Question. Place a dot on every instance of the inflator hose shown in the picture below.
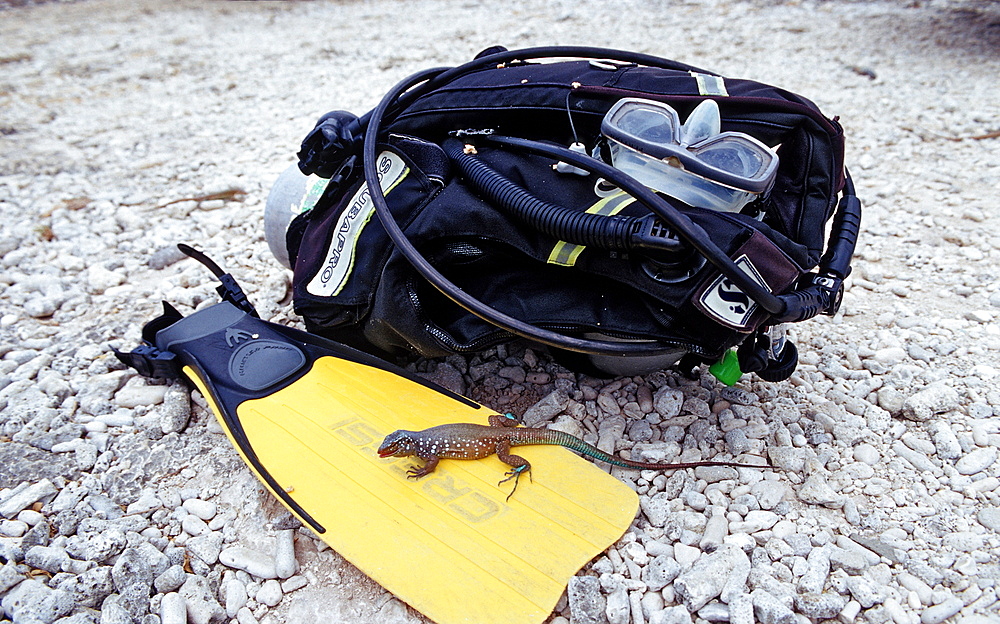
(611, 232)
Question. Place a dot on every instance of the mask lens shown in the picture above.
(647, 125)
(735, 157)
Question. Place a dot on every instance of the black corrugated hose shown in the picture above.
(612, 232)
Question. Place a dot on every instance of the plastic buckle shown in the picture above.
(342, 173)
(151, 362)
(334, 137)
(834, 287)
(230, 291)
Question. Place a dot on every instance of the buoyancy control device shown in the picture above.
(627, 211)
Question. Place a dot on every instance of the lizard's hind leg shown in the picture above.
(518, 464)
(507, 420)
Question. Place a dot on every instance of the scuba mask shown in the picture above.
(694, 161)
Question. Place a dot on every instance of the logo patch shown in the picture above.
(258, 363)
(726, 303)
(336, 269)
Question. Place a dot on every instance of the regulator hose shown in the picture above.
(446, 287)
(609, 232)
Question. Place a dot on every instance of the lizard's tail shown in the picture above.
(526, 436)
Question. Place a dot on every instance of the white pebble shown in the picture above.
(269, 593)
(66, 447)
(866, 453)
(849, 612)
(756, 520)
(293, 583)
(922, 590)
(100, 279)
(768, 493)
(686, 555)
(715, 530)
(941, 612)
(743, 541)
(116, 419)
(245, 616)
(784, 528)
(22, 498)
(977, 461)
(221, 520)
(235, 596)
(284, 554)
(637, 553)
(695, 500)
(173, 609)
(714, 612)
(890, 355)
(251, 561)
(40, 307)
(134, 395)
(203, 509)
(30, 517)
(13, 528)
(100, 440)
(193, 525)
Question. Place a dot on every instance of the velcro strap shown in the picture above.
(710, 85)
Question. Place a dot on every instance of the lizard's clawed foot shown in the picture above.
(415, 473)
(505, 420)
(515, 474)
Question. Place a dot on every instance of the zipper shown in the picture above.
(792, 107)
(444, 338)
(499, 336)
(680, 344)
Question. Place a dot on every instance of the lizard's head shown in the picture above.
(396, 444)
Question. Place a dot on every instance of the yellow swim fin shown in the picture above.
(307, 415)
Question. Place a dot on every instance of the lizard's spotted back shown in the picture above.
(472, 441)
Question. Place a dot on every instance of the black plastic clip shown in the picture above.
(336, 136)
(151, 362)
(768, 354)
(230, 291)
(823, 295)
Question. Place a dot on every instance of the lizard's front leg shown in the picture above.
(415, 472)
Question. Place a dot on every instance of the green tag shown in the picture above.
(315, 187)
(727, 370)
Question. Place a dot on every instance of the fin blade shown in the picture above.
(449, 544)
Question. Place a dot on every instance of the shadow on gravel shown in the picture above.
(970, 29)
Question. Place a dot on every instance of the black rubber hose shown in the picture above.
(843, 233)
(825, 294)
(612, 232)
